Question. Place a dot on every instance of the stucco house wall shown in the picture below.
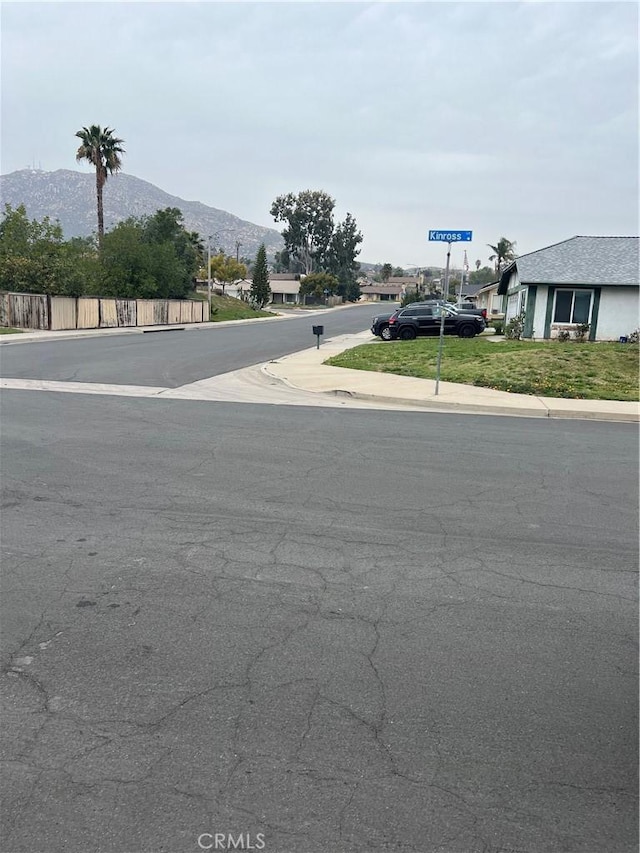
(613, 312)
(619, 313)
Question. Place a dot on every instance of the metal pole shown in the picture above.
(463, 275)
(441, 341)
(209, 275)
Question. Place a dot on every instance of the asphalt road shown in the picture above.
(325, 630)
(173, 358)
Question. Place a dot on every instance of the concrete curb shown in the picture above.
(70, 334)
(493, 409)
(306, 371)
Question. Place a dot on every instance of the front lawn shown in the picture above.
(589, 371)
(4, 330)
(230, 308)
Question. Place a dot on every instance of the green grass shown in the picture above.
(590, 371)
(6, 331)
(230, 308)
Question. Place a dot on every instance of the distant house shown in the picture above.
(470, 291)
(391, 290)
(382, 292)
(583, 280)
(239, 289)
(487, 296)
(285, 288)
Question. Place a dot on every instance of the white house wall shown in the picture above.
(618, 314)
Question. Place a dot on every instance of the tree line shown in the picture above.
(151, 257)
(316, 246)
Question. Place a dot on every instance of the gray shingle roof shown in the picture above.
(580, 260)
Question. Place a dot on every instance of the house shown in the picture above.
(285, 288)
(382, 292)
(582, 281)
(487, 296)
(391, 290)
(240, 289)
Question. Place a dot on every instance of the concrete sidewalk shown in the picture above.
(305, 371)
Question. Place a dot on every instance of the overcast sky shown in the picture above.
(507, 119)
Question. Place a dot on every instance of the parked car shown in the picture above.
(380, 327)
(420, 319)
(470, 308)
(380, 324)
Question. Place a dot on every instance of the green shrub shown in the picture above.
(514, 328)
(581, 332)
(411, 296)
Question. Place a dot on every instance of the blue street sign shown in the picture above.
(451, 236)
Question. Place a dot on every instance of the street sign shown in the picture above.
(451, 236)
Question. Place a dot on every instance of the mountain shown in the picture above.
(70, 197)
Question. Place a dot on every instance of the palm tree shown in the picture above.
(503, 252)
(102, 149)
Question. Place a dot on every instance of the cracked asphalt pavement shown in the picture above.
(346, 630)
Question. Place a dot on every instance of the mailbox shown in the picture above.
(317, 331)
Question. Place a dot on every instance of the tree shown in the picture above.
(281, 261)
(260, 292)
(386, 272)
(503, 253)
(34, 257)
(226, 269)
(478, 264)
(398, 271)
(102, 149)
(319, 285)
(149, 258)
(128, 263)
(482, 275)
(309, 227)
(341, 258)
(166, 226)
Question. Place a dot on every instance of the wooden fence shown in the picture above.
(55, 313)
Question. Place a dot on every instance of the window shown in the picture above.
(572, 306)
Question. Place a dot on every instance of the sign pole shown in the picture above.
(441, 341)
(448, 237)
(209, 277)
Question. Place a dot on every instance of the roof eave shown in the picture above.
(505, 276)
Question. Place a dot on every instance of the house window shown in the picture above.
(572, 306)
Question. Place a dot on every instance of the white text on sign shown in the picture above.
(451, 236)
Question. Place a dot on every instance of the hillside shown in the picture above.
(69, 197)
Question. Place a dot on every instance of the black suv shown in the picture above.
(420, 319)
(380, 323)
